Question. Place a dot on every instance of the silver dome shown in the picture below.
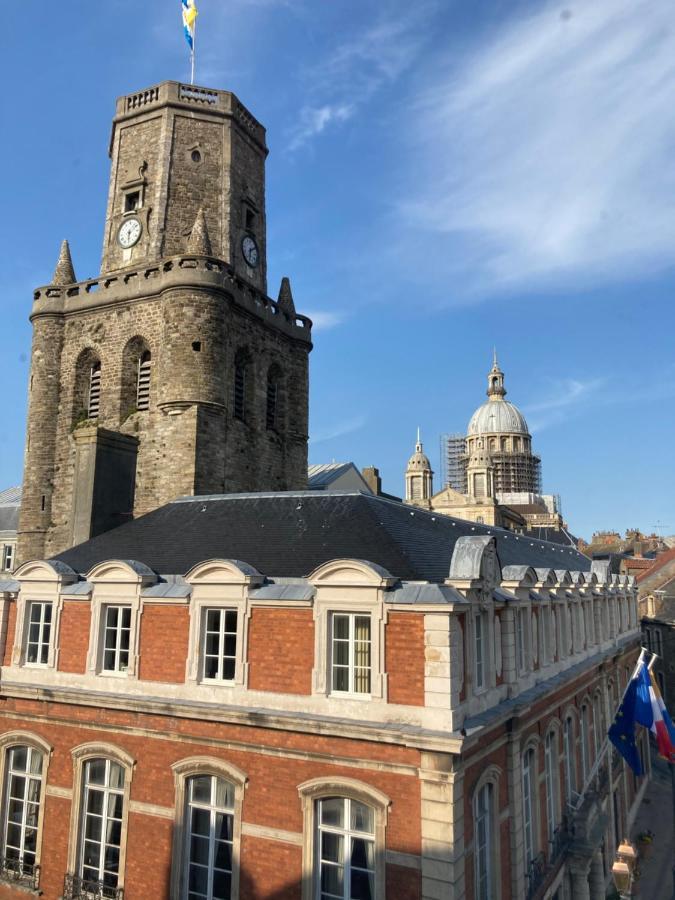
(497, 417)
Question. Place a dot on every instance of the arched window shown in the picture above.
(143, 380)
(207, 830)
(24, 768)
(136, 377)
(94, 400)
(569, 756)
(86, 386)
(273, 414)
(343, 847)
(346, 848)
(484, 841)
(98, 841)
(101, 832)
(242, 387)
(504, 444)
(529, 807)
(551, 775)
(585, 729)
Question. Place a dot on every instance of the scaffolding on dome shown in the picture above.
(453, 462)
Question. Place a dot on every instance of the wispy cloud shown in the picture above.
(338, 429)
(548, 150)
(357, 69)
(562, 398)
(322, 320)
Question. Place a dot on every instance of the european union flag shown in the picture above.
(622, 730)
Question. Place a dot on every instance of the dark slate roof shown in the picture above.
(291, 533)
(10, 504)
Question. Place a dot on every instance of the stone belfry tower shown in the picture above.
(172, 372)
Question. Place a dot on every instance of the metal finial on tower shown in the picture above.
(418, 434)
(495, 364)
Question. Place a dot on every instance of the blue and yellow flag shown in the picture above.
(189, 16)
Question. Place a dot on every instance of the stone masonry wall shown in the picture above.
(189, 441)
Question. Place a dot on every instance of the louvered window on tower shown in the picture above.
(240, 389)
(143, 384)
(272, 401)
(94, 391)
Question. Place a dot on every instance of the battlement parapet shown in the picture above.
(184, 271)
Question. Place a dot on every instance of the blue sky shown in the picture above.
(443, 177)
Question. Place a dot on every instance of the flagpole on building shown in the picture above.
(192, 54)
(605, 745)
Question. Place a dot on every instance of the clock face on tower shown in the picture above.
(129, 233)
(250, 250)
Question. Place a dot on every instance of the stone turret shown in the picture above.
(285, 300)
(199, 241)
(418, 476)
(64, 273)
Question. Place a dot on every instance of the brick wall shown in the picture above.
(9, 636)
(281, 650)
(73, 636)
(164, 643)
(275, 764)
(404, 655)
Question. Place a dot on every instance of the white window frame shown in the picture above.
(222, 612)
(569, 756)
(551, 775)
(8, 742)
(99, 602)
(521, 646)
(108, 792)
(346, 834)
(183, 771)
(118, 670)
(42, 644)
(81, 755)
(530, 789)
(486, 854)
(7, 557)
(350, 789)
(480, 655)
(351, 667)
(584, 738)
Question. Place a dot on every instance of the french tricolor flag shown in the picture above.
(650, 711)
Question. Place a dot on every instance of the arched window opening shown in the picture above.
(273, 410)
(94, 399)
(345, 843)
(209, 836)
(241, 385)
(568, 750)
(551, 775)
(21, 812)
(143, 381)
(484, 842)
(529, 811)
(101, 828)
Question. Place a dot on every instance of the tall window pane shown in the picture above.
(568, 747)
(39, 630)
(584, 742)
(483, 818)
(351, 653)
(551, 773)
(22, 797)
(220, 644)
(101, 832)
(480, 651)
(116, 637)
(529, 787)
(345, 842)
(209, 829)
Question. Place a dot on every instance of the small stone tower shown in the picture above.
(172, 372)
(480, 473)
(418, 477)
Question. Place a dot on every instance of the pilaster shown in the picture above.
(442, 792)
